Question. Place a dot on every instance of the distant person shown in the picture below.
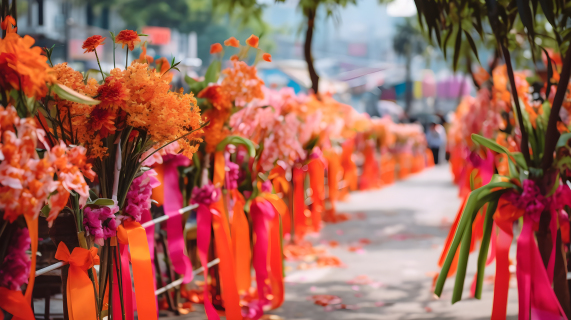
(442, 151)
(434, 141)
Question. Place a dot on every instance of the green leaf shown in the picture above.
(526, 17)
(237, 140)
(492, 145)
(213, 72)
(484, 246)
(102, 202)
(489, 143)
(472, 45)
(92, 195)
(45, 211)
(67, 93)
(563, 139)
(457, 48)
(547, 7)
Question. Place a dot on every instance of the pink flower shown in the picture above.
(16, 265)
(139, 195)
(100, 223)
(206, 195)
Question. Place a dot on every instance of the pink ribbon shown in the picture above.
(128, 294)
(204, 226)
(534, 287)
(534, 281)
(262, 212)
(172, 204)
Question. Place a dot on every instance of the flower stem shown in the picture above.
(127, 58)
(99, 64)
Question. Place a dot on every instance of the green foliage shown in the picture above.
(238, 141)
(408, 40)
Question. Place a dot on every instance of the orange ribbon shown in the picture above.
(370, 176)
(387, 168)
(15, 303)
(334, 172)
(80, 293)
(316, 181)
(300, 219)
(280, 183)
(227, 268)
(33, 231)
(158, 191)
(241, 243)
(133, 234)
(349, 167)
(219, 169)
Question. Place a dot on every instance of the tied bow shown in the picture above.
(534, 281)
(80, 292)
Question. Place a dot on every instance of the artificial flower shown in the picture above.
(232, 42)
(23, 67)
(143, 57)
(91, 43)
(138, 199)
(252, 41)
(15, 268)
(128, 38)
(241, 83)
(216, 48)
(9, 24)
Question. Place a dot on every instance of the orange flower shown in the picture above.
(129, 38)
(102, 120)
(91, 43)
(112, 93)
(215, 48)
(252, 41)
(241, 83)
(234, 58)
(267, 57)
(216, 96)
(143, 57)
(23, 67)
(164, 64)
(232, 42)
(9, 24)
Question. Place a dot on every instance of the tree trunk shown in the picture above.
(545, 245)
(408, 84)
(307, 51)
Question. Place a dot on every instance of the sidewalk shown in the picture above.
(406, 224)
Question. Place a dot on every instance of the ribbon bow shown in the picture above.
(133, 234)
(534, 282)
(210, 216)
(80, 293)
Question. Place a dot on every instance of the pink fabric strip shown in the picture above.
(534, 287)
(128, 301)
(174, 226)
(204, 225)
(146, 216)
(262, 211)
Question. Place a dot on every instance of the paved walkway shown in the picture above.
(392, 276)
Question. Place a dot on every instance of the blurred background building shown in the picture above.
(354, 49)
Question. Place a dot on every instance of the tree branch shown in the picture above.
(552, 134)
(524, 137)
